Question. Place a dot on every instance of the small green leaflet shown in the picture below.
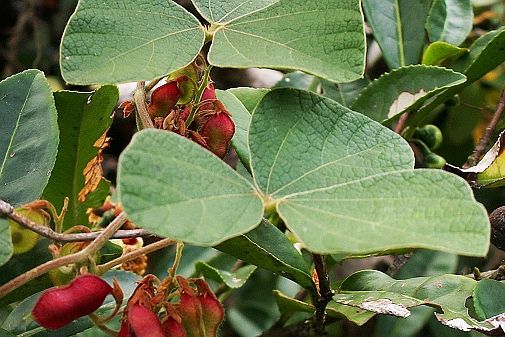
(231, 279)
(173, 187)
(439, 51)
(28, 136)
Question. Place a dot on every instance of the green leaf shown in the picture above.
(422, 263)
(232, 280)
(355, 315)
(127, 40)
(173, 187)
(398, 27)
(298, 80)
(377, 292)
(241, 117)
(5, 242)
(330, 171)
(439, 51)
(83, 118)
(250, 97)
(344, 93)
(289, 305)
(268, 248)
(323, 38)
(450, 21)
(404, 89)
(485, 298)
(222, 12)
(28, 136)
(485, 54)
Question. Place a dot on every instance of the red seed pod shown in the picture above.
(163, 99)
(173, 328)
(190, 310)
(218, 132)
(212, 310)
(59, 306)
(143, 322)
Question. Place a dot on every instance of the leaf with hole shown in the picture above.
(330, 171)
(127, 40)
(28, 136)
(173, 187)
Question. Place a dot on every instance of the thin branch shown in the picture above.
(139, 98)
(324, 292)
(81, 256)
(8, 211)
(401, 122)
(134, 254)
(481, 147)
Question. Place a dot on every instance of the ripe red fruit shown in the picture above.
(59, 306)
(218, 131)
(143, 322)
(163, 99)
(173, 328)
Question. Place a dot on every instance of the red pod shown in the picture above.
(212, 310)
(163, 99)
(173, 328)
(59, 306)
(218, 132)
(143, 322)
(190, 310)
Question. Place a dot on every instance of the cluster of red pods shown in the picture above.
(182, 308)
(171, 105)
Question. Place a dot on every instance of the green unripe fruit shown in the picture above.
(453, 101)
(429, 135)
(23, 239)
(434, 161)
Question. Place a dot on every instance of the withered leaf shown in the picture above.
(93, 171)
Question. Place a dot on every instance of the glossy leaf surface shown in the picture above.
(450, 21)
(28, 136)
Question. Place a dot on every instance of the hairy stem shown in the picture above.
(81, 256)
(139, 98)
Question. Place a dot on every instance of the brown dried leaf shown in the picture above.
(93, 171)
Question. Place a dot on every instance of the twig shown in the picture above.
(81, 256)
(398, 262)
(324, 292)
(401, 122)
(8, 211)
(479, 149)
(139, 98)
(496, 274)
(134, 254)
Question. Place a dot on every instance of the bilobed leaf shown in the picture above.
(28, 136)
(403, 89)
(241, 117)
(5, 242)
(439, 51)
(234, 279)
(323, 38)
(487, 296)
(330, 171)
(450, 21)
(398, 27)
(173, 187)
(268, 248)
(127, 40)
(377, 292)
(83, 118)
(225, 11)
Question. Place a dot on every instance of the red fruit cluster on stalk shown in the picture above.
(198, 312)
(59, 306)
(211, 126)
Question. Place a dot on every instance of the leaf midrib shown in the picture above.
(14, 132)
